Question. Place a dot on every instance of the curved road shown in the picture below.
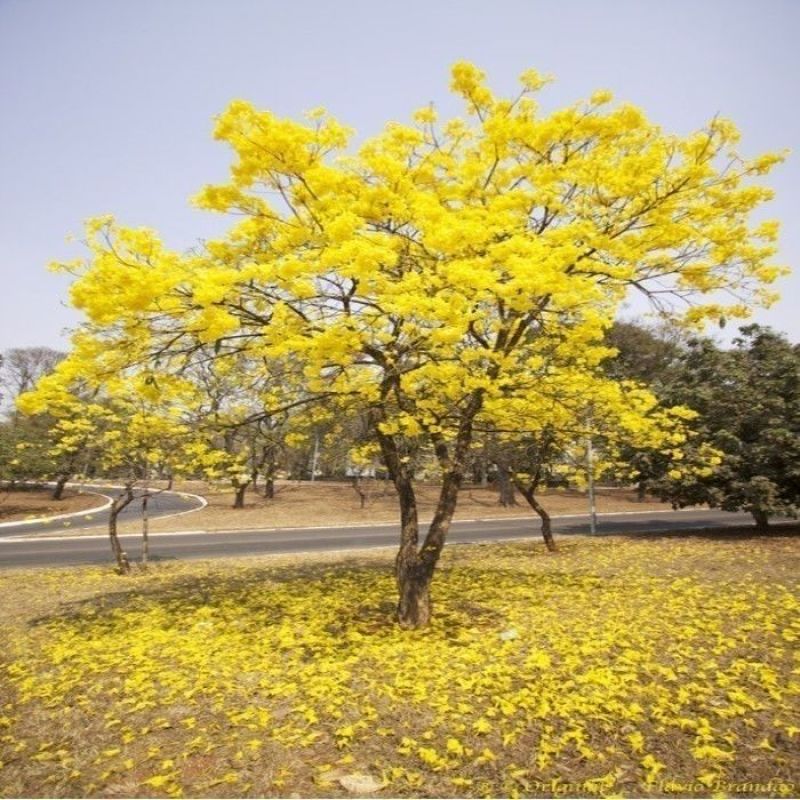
(60, 551)
(163, 504)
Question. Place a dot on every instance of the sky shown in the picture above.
(108, 107)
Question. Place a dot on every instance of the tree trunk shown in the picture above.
(413, 596)
(414, 588)
(238, 501)
(120, 556)
(359, 490)
(761, 518)
(505, 487)
(58, 491)
(412, 572)
(170, 479)
(270, 467)
(414, 567)
(641, 491)
(547, 529)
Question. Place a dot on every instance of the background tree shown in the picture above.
(26, 443)
(128, 424)
(21, 368)
(650, 354)
(417, 279)
(748, 403)
(585, 406)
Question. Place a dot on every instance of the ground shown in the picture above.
(321, 503)
(29, 504)
(654, 666)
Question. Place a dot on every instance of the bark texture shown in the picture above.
(547, 528)
(122, 501)
(58, 491)
(238, 501)
(505, 488)
(761, 518)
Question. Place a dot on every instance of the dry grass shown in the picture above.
(31, 503)
(323, 503)
(644, 667)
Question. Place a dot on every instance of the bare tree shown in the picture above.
(21, 368)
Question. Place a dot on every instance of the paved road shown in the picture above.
(55, 551)
(160, 505)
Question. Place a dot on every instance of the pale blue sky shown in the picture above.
(108, 106)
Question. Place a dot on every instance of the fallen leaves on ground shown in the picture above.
(664, 666)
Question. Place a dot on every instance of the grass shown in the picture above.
(19, 505)
(654, 667)
(323, 503)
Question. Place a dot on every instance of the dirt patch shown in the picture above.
(19, 505)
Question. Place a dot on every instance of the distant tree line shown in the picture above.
(746, 397)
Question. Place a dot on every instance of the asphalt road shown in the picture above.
(60, 551)
(159, 505)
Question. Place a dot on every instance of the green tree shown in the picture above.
(748, 402)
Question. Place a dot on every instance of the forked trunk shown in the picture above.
(415, 566)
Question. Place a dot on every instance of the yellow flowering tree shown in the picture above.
(237, 438)
(125, 424)
(418, 277)
(583, 407)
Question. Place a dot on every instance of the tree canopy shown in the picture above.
(437, 277)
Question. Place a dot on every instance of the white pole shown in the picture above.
(590, 473)
(315, 457)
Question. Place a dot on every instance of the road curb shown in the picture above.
(86, 511)
(101, 508)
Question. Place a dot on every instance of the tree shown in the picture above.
(645, 353)
(24, 450)
(748, 403)
(238, 438)
(21, 368)
(30, 439)
(585, 407)
(649, 354)
(440, 271)
(126, 424)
